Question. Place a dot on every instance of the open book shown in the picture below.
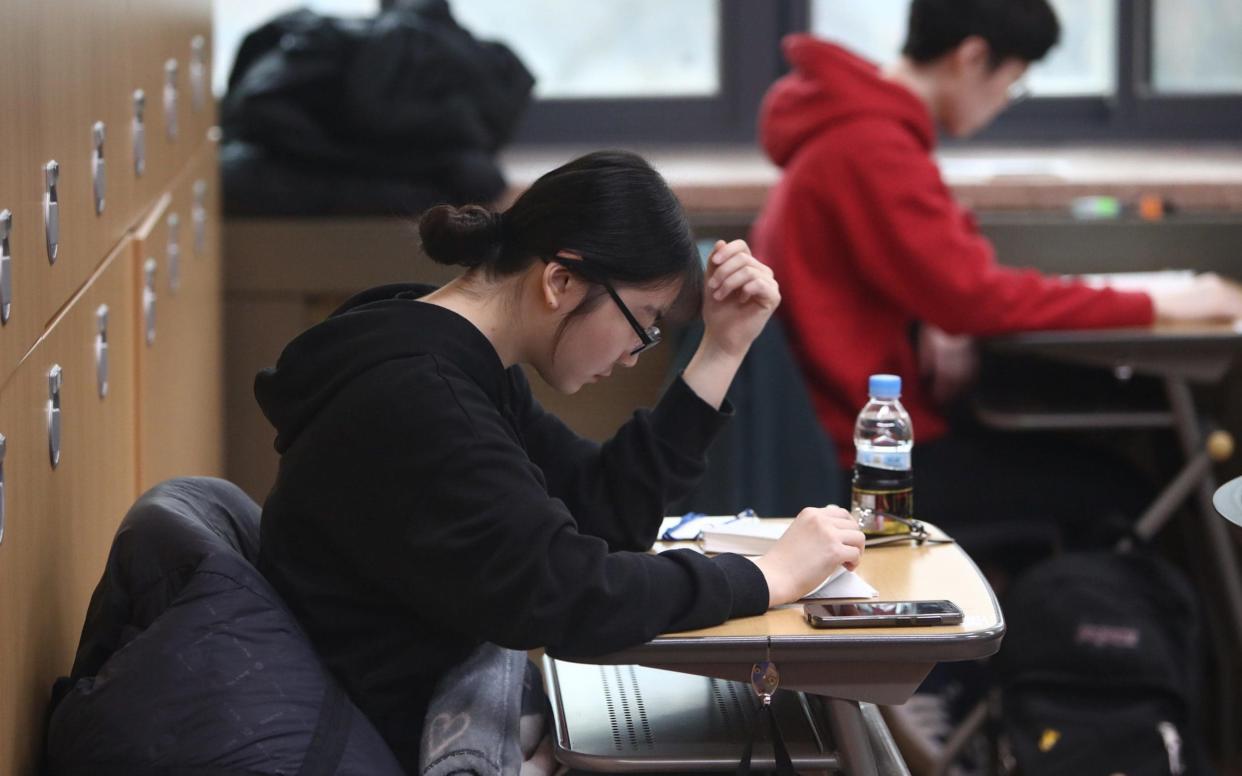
(745, 536)
(754, 536)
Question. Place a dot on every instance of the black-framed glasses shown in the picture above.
(648, 336)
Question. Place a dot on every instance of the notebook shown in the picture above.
(745, 536)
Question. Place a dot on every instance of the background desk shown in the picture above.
(1179, 356)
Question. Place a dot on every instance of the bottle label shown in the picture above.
(893, 460)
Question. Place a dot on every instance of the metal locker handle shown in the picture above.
(139, 131)
(198, 73)
(51, 208)
(199, 217)
(98, 171)
(101, 350)
(170, 98)
(3, 445)
(148, 300)
(54, 380)
(174, 251)
(6, 266)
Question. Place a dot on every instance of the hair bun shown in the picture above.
(467, 236)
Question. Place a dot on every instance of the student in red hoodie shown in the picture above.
(867, 241)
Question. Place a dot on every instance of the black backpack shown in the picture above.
(1099, 671)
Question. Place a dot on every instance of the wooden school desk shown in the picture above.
(1179, 355)
(845, 666)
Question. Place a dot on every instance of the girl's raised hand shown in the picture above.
(739, 296)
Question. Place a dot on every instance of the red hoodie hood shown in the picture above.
(828, 86)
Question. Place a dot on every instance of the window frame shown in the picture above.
(1135, 112)
(751, 60)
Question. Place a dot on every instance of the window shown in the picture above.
(1197, 47)
(1084, 63)
(696, 70)
(642, 70)
(235, 18)
(1081, 64)
(636, 49)
(1123, 68)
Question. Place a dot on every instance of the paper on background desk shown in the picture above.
(987, 168)
(1139, 281)
(841, 584)
(1163, 280)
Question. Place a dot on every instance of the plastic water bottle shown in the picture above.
(882, 494)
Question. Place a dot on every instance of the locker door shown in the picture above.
(81, 112)
(180, 419)
(201, 248)
(68, 471)
(195, 39)
(23, 272)
(159, 65)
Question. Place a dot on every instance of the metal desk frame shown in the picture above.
(1179, 356)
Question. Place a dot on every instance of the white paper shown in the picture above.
(958, 168)
(1170, 279)
(843, 584)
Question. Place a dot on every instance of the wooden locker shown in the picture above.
(111, 99)
(59, 520)
(205, 211)
(180, 417)
(159, 64)
(80, 101)
(25, 276)
(193, 37)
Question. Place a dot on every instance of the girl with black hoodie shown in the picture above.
(425, 503)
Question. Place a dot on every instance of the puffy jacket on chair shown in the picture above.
(189, 662)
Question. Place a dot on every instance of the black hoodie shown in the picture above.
(426, 503)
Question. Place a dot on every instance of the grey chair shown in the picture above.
(190, 662)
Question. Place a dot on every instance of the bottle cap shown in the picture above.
(884, 386)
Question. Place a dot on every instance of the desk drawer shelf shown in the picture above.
(633, 719)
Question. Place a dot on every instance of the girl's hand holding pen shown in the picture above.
(815, 544)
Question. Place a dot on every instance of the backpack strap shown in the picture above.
(784, 765)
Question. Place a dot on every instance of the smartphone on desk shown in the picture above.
(882, 614)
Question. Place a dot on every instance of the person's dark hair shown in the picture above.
(1013, 29)
(610, 207)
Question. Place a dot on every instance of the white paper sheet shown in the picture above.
(843, 584)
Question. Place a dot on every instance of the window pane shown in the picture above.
(1198, 46)
(235, 18)
(1083, 63)
(639, 48)
(874, 29)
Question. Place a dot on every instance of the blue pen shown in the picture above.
(689, 517)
